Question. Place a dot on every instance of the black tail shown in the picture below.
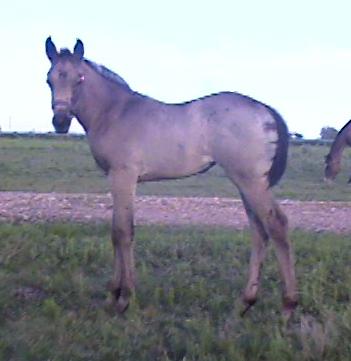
(281, 152)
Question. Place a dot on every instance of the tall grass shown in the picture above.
(54, 304)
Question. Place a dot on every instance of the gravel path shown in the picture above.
(50, 207)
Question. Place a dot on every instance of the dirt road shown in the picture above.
(50, 207)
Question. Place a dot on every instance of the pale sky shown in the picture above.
(293, 55)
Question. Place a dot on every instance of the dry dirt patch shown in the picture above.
(50, 207)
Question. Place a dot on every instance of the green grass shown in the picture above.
(54, 303)
(46, 165)
(65, 165)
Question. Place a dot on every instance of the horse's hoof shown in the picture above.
(120, 299)
(289, 307)
(248, 303)
(121, 305)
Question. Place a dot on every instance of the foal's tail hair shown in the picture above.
(281, 152)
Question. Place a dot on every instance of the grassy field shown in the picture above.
(53, 299)
(65, 165)
(54, 303)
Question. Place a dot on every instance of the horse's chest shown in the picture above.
(101, 156)
(111, 153)
(102, 162)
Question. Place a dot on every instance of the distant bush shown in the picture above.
(328, 133)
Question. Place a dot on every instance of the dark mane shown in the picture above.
(345, 126)
(339, 142)
(102, 70)
(65, 53)
(339, 137)
(107, 73)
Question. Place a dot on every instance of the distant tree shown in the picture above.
(328, 133)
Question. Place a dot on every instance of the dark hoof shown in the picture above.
(121, 305)
(289, 307)
(120, 300)
(247, 306)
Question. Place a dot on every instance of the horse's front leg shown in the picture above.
(123, 185)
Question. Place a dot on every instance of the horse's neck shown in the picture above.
(97, 98)
(338, 147)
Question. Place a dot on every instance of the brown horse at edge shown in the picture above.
(333, 158)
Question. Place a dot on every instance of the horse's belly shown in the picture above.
(177, 168)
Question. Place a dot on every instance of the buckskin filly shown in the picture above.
(135, 138)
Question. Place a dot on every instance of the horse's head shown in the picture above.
(332, 168)
(64, 78)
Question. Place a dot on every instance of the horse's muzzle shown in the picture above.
(61, 122)
(60, 106)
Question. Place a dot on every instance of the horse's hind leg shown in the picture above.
(278, 225)
(258, 253)
(268, 220)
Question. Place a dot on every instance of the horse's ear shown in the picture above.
(50, 49)
(79, 49)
